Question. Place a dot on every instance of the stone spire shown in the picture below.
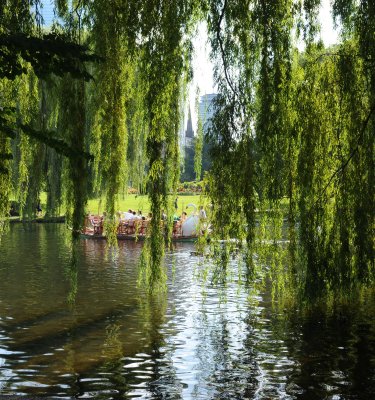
(189, 133)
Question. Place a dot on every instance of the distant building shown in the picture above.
(206, 110)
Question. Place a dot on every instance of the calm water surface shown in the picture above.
(87, 331)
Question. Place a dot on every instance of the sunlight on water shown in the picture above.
(196, 342)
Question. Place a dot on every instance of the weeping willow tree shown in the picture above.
(165, 66)
(297, 128)
(29, 58)
(292, 139)
(113, 88)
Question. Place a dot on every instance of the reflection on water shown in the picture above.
(89, 332)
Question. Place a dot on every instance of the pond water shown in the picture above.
(89, 331)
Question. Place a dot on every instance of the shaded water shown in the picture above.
(196, 342)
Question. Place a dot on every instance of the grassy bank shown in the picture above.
(139, 202)
(131, 201)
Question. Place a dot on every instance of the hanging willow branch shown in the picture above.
(351, 155)
(57, 144)
(52, 53)
(221, 45)
(45, 137)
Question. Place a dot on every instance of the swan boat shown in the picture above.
(136, 229)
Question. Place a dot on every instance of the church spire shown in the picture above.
(189, 133)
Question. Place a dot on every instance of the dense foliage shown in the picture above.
(296, 127)
(94, 102)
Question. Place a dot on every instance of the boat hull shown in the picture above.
(138, 238)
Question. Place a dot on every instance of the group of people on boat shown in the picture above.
(133, 215)
(133, 222)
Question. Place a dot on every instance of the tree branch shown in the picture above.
(221, 45)
(351, 155)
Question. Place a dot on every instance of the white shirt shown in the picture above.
(128, 215)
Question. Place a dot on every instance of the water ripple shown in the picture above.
(200, 341)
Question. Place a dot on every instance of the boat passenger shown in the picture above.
(183, 217)
(202, 213)
(88, 227)
(127, 215)
(176, 230)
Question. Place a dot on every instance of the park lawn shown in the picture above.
(132, 201)
(141, 202)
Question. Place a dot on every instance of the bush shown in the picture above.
(132, 190)
(190, 187)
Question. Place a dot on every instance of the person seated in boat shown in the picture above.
(127, 215)
(183, 217)
(130, 226)
(202, 213)
(130, 216)
(176, 217)
(149, 216)
(144, 225)
(97, 222)
(122, 222)
(88, 227)
(177, 228)
(139, 214)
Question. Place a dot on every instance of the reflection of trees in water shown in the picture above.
(204, 354)
(232, 349)
(226, 357)
(71, 273)
(164, 383)
(312, 355)
(221, 364)
(132, 353)
(77, 346)
(334, 353)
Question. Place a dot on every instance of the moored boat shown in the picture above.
(136, 229)
(135, 237)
